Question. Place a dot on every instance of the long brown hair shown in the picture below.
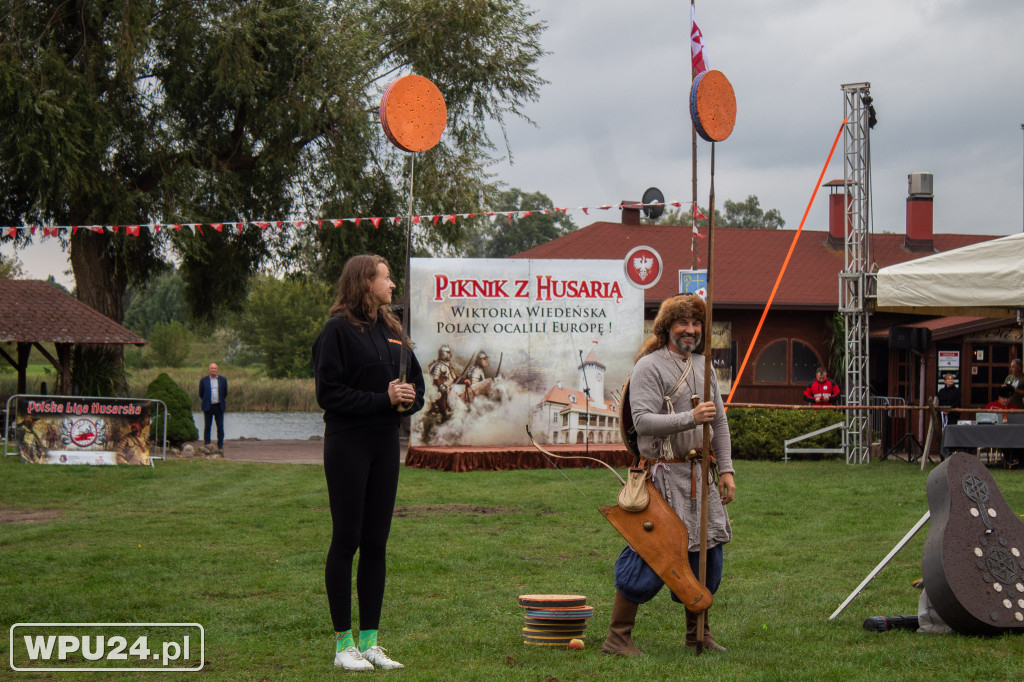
(354, 295)
(672, 309)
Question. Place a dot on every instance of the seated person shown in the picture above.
(949, 396)
(821, 391)
(1004, 396)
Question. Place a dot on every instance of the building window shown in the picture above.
(990, 363)
(786, 361)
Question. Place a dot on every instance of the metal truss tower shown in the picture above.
(854, 280)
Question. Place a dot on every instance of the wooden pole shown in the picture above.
(693, 170)
(403, 361)
(705, 462)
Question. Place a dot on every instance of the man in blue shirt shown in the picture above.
(213, 390)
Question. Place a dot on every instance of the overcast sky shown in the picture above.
(947, 78)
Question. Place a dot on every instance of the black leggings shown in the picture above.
(362, 479)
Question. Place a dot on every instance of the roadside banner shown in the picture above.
(506, 343)
(75, 430)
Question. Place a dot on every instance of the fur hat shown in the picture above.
(676, 308)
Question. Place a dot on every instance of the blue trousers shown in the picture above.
(216, 412)
(639, 583)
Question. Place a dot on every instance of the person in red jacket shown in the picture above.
(822, 391)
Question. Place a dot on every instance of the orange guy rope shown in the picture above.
(785, 264)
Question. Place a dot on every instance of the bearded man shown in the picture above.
(668, 374)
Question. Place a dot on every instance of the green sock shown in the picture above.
(367, 638)
(343, 640)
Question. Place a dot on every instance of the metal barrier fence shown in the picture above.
(9, 416)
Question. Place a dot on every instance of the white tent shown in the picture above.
(981, 280)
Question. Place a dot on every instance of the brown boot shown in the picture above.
(691, 633)
(619, 641)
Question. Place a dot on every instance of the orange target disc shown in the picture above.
(413, 114)
(713, 106)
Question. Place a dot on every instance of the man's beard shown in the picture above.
(685, 346)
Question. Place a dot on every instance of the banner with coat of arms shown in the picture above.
(67, 430)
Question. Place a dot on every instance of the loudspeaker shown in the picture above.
(900, 338)
(920, 338)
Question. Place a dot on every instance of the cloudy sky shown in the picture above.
(947, 78)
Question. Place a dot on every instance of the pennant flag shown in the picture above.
(50, 231)
(357, 222)
(337, 222)
(263, 226)
(697, 215)
(697, 56)
(12, 231)
(416, 219)
(133, 230)
(296, 223)
(586, 211)
(156, 228)
(176, 226)
(376, 223)
(98, 229)
(435, 219)
(217, 226)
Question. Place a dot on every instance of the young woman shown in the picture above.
(356, 368)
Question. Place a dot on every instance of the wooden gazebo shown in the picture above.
(33, 312)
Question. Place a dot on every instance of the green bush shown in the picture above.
(758, 433)
(170, 343)
(180, 426)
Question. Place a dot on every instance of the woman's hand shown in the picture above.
(400, 393)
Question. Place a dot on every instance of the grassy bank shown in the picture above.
(239, 548)
(249, 390)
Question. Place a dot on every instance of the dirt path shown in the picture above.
(280, 451)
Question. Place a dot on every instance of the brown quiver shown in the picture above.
(973, 558)
(660, 538)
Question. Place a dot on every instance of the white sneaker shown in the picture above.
(351, 659)
(377, 656)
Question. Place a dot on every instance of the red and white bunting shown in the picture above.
(12, 231)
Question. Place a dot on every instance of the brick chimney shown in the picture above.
(919, 213)
(630, 212)
(837, 199)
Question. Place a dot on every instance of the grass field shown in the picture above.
(239, 548)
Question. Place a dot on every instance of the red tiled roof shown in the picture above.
(593, 359)
(560, 396)
(746, 261)
(36, 311)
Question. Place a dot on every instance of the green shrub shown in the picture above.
(758, 433)
(170, 343)
(180, 426)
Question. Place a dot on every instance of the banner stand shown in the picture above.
(60, 429)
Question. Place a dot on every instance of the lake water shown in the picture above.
(266, 425)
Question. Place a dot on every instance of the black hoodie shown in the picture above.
(352, 368)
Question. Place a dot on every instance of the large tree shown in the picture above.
(503, 237)
(135, 111)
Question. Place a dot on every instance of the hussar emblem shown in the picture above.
(643, 265)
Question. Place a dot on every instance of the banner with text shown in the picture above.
(506, 343)
(67, 430)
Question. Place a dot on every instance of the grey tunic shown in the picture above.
(652, 378)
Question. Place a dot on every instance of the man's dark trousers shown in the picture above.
(216, 412)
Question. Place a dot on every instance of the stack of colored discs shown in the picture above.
(554, 619)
